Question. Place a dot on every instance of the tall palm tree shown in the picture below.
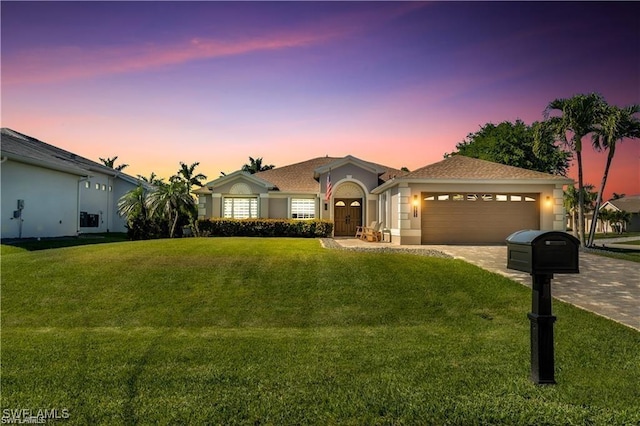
(617, 124)
(172, 200)
(153, 179)
(187, 173)
(255, 166)
(110, 162)
(579, 117)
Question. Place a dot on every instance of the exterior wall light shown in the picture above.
(548, 201)
(415, 206)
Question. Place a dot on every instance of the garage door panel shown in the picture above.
(476, 221)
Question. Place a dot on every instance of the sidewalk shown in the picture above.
(605, 286)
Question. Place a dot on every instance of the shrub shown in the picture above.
(265, 228)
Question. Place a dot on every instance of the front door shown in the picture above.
(347, 216)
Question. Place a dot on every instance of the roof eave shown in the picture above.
(393, 182)
(41, 163)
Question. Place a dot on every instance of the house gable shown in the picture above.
(237, 183)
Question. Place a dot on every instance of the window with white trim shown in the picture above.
(240, 208)
(303, 208)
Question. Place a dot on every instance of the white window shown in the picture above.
(240, 208)
(303, 208)
(87, 184)
(98, 186)
(104, 187)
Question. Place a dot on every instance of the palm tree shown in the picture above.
(187, 174)
(620, 219)
(572, 202)
(617, 124)
(153, 179)
(171, 200)
(605, 216)
(110, 162)
(134, 203)
(579, 117)
(617, 196)
(255, 166)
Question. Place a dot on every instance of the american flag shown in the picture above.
(329, 187)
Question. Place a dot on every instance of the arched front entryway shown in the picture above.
(347, 209)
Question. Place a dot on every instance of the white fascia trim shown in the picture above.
(394, 182)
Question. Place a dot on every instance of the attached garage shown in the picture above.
(478, 217)
(462, 200)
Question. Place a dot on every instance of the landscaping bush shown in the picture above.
(265, 228)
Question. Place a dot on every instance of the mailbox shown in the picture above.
(543, 252)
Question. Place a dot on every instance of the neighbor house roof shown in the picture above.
(629, 204)
(26, 149)
(459, 168)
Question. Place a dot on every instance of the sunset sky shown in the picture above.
(400, 84)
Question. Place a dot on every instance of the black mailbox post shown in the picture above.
(542, 254)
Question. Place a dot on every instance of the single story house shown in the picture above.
(630, 204)
(455, 201)
(50, 192)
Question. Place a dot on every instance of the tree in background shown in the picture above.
(606, 217)
(110, 162)
(617, 196)
(579, 116)
(171, 201)
(516, 144)
(255, 166)
(155, 209)
(572, 202)
(153, 179)
(141, 224)
(187, 173)
(619, 220)
(617, 124)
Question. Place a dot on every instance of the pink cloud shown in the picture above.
(72, 62)
(64, 63)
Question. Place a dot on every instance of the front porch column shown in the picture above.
(404, 207)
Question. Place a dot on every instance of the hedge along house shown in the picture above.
(458, 200)
(50, 192)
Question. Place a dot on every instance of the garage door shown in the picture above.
(472, 218)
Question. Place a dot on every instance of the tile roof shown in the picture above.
(298, 177)
(31, 150)
(459, 167)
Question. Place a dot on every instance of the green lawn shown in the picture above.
(281, 331)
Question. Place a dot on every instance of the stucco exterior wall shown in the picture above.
(278, 208)
(50, 201)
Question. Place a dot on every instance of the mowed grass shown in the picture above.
(282, 331)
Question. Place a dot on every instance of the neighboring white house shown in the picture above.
(50, 192)
(457, 200)
(630, 204)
